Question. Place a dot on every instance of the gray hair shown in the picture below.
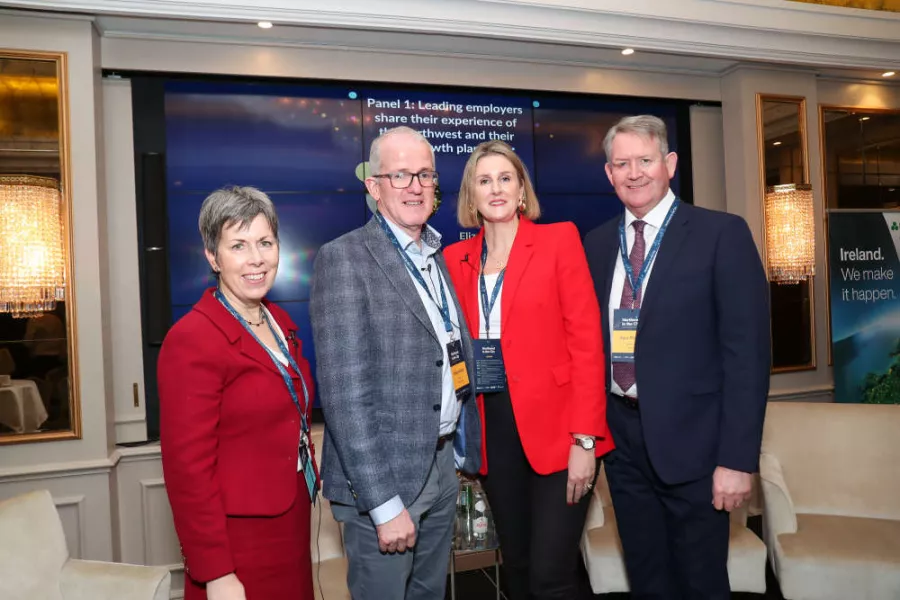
(375, 149)
(230, 205)
(645, 126)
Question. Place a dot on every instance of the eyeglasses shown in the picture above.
(401, 180)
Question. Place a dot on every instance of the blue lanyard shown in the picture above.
(645, 268)
(488, 307)
(444, 307)
(281, 369)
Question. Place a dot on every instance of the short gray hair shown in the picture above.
(645, 126)
(375, 149)
(229, 205)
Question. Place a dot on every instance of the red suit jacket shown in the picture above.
(228, 428)
(551, 339)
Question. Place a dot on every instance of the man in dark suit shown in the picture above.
(688, 336)
(393, 356)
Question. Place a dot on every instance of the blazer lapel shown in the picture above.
(233, 330)
(610, 255)
(519, 257)
(675, 235)
(468, 291)
(395, 270)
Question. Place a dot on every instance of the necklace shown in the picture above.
(262, 319)
(500, 262)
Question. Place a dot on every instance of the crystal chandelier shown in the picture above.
(790, 233)
(32, 256)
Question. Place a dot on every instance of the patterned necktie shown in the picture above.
(623, 372)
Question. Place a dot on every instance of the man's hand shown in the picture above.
(397, 535)
(730, 488)
(582, 465)
(228, 587)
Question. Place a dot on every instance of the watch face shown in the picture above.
(586, 443)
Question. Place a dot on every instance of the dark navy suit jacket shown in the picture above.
(702, 356)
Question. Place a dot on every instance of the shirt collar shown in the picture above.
(430, 237)
(655, 217)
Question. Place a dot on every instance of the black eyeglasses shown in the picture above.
(401, 180)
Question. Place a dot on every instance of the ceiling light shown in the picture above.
(264, 25)
(776, 143)
(628, 51)
(888, 74)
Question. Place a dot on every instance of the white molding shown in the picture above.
(77, 501)
(806, 394)
(58, 470)
(146, 532)
(786, 32)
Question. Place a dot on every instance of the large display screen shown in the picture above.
(305, 146)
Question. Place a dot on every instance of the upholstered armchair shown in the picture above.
(831, 490)
(35, 563)
(601, 548)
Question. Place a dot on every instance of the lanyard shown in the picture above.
(488, 307)
(281, 369)
(645, 268)
(444, 307)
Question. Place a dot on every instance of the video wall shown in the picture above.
(305, 146)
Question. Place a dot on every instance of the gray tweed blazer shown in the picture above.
(379, 373)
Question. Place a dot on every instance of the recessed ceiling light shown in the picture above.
(888, 74)
(265, 25)
(628, 51)
(776, 143)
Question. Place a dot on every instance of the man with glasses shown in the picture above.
(393, 362)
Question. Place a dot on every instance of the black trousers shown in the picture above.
(539, 532)
(674, 541)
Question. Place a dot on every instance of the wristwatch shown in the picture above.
(585, 442)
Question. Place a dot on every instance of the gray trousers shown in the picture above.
(417, 574)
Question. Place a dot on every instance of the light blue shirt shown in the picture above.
(424, 259)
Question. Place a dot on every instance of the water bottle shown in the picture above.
(481, 520)
(464, 517)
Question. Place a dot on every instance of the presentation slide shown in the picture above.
(306, 145)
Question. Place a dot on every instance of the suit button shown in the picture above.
(436, 407)
(439, 363)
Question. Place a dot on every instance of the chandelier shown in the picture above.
(790, 233)
(32, 255)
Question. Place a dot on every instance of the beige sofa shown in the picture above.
(602, 549)
(329, 563)
(35, 563)
(831, 485)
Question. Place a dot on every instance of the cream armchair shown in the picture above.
(35, 563)
(601, 548)
(832, 499)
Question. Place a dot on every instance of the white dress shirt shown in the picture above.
(654, 221)
(423, 258)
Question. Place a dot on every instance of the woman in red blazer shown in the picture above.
(235, 396)
(528, 287)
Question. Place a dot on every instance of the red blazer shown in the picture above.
(228, 428)
(551, 339)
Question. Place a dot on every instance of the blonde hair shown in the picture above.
(466, 213)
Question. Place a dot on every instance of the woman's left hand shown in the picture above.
(582, 464)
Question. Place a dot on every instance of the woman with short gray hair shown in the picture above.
(235, 404)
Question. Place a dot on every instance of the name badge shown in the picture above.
(309, 472)
(458, 370)
(490, 373)
(624, 334)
